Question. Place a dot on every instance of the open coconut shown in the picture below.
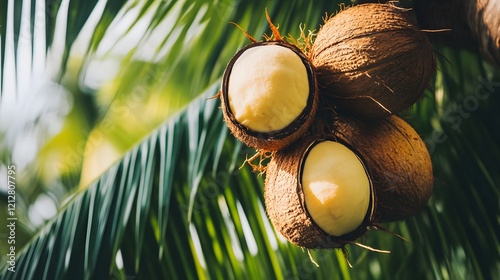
(318, 193)
(398, 161)
(372, 60)
(327, 191)
(269, 95)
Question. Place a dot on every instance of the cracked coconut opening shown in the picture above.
(268, 88)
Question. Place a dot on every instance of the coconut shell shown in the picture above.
(484, 20)
(448, 16)
(372, 60)
(470, 24)
(275, 140)
(285, 201)
(398, 162)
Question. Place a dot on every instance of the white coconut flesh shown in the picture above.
(336, 188)
(268, 88)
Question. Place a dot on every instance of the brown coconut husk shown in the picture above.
(275, 140)
(484, 20)
(449, 17)
(398, 161)
(285, 201)
(372, 60)
(473, 25)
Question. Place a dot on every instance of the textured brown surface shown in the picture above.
(371, 55)
(285, 206)
(449, 17)
(277, 140)
(484, 20)
(472, 24)
(398, 161)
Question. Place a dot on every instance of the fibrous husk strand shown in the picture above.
(260, 166)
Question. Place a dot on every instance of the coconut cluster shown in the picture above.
(342, 165)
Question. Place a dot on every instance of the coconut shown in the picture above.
(470, 24)
(372, 60)
(448, 22)
(399, 164)
(318, 193)
(484, 20)
(326, 191)
(269, 95)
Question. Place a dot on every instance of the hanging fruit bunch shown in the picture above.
(341, 160)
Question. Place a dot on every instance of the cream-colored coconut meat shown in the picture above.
(268, 88)
(336, 188)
